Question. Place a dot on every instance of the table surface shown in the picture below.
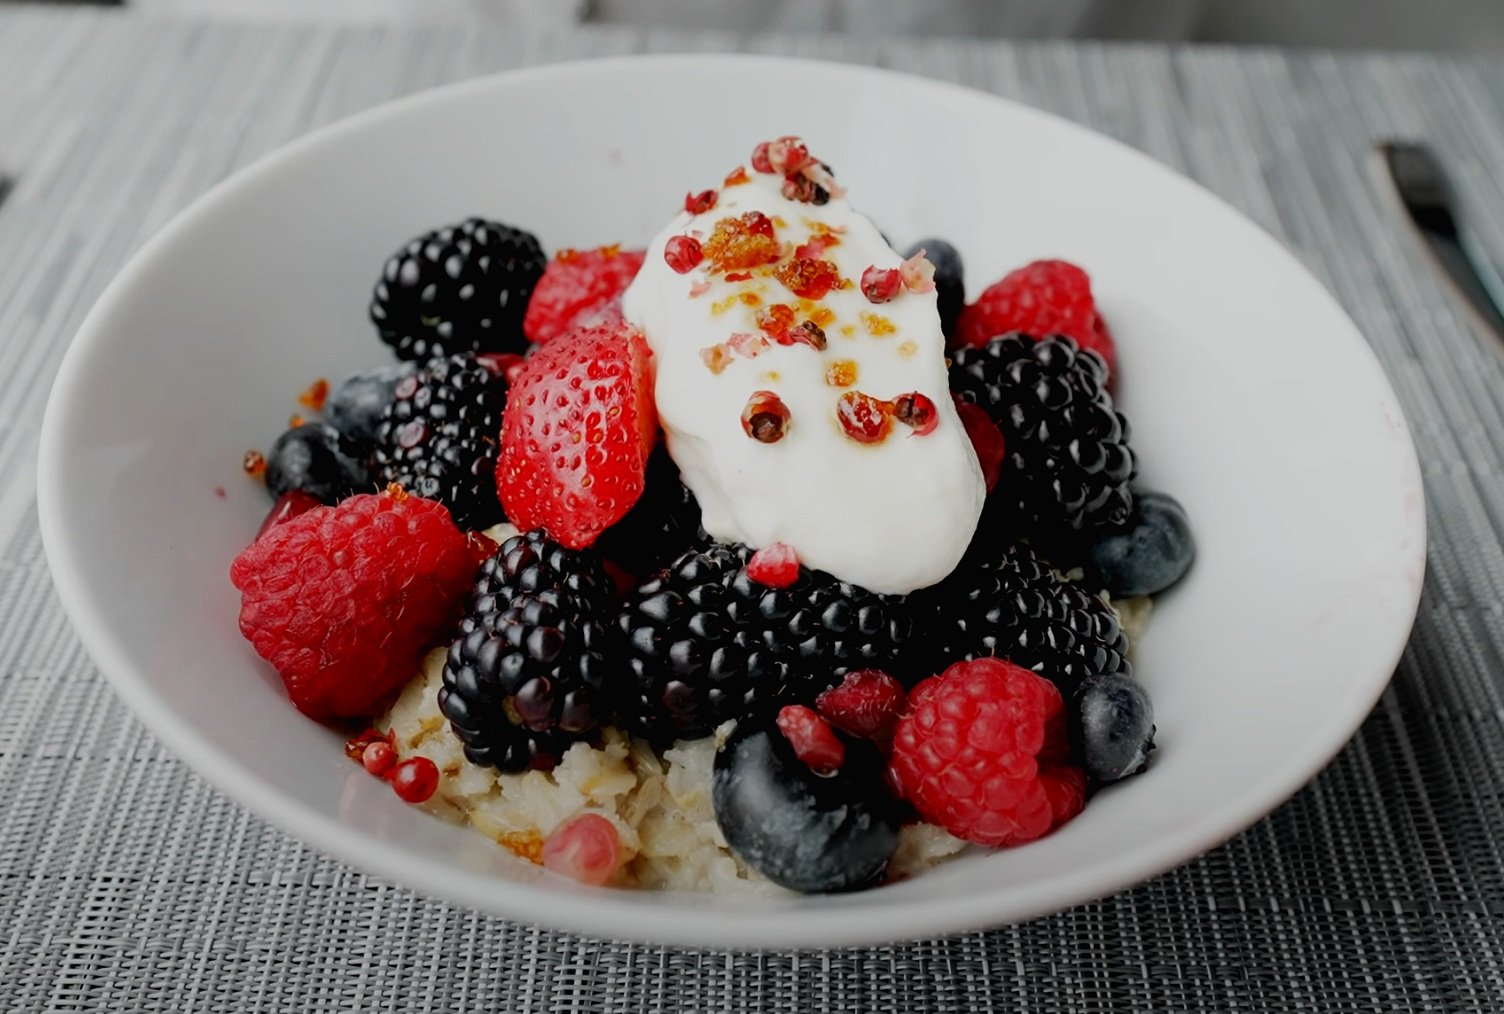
(127, 884)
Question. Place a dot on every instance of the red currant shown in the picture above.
(776, 566)
(378, 757)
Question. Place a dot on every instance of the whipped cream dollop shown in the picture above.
(757, 338)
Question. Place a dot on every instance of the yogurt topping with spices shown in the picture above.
(801, 378)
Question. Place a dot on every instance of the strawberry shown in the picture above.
(580, 288)
(577, 431)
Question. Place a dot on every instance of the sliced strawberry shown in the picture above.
(580, 288)
(579, 425)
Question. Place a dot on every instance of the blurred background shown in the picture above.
(1460, 25)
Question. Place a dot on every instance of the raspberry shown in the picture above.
(578, 429)
(814, 743)
(343, 600)
(982, 753)
(867, 704)
(580, 288)
(986, 440)
(1042, 298)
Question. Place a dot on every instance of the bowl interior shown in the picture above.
(1252, 397)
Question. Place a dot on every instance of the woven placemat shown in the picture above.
(127, 885)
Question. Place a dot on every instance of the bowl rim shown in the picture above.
(640, 915)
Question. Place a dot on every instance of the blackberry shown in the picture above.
(663, 522)
(1012, 605)
(526, 675)
(462, 288)
(440, 434)
(705, 643)
(1068, 462)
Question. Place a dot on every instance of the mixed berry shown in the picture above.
(990, 703)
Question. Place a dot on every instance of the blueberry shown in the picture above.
(355, 406)
(807, 832)
(950, 285)
(316, 459)
(1151, 553)
(1112, 723)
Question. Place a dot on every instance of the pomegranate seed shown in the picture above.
(288, 506)
(584, 848)
(776, 566)
(881, 284)
(682, 253)
(916, 410)
(378, 757)
(813, 740)
(868, 703)
(863, 417)
(760, 160)
(986, 440)
(415, 780)
(698, 204)
(766, 417)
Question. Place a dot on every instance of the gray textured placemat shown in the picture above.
(127, 885)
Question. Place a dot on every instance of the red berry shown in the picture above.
(863, 417)
(765, 418)
(867, 704)
(986, 440)
(578, 428)
(915, 410)
(776, 566)
(288, 506)
(1039, 299)
(586, 848)
(760, 160)
(880, 285)
(683, 253)
(378, 757)
(580, 288)
(343, 600)
(982, 752)
(813, 740)
(698, 204)
(415, 780)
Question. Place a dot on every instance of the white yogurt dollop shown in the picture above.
(892, 516)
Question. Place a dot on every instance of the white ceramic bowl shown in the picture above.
(1253, 399)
